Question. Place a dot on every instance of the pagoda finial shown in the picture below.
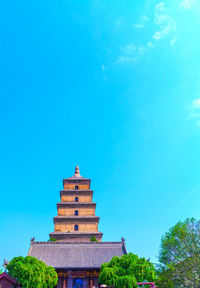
(77, 172)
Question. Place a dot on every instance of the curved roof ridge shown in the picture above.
(75, 243)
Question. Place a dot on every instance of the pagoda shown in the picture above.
(76, 220)
(76, 259)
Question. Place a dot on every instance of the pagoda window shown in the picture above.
(76, 187)
(76, 199)
(76, 227)
(76, 212)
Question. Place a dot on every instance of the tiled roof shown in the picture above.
(8, 277)
(76, 178)
(74, 255)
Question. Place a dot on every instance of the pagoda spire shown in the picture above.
(77, 172)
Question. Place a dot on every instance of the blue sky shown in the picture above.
(113, 87)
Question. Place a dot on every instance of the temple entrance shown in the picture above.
(78, 283)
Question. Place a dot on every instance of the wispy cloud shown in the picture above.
(196, 104)
(172, 42)
(142, 23)
(166, 23)
(157, 35)
(130, 53)
(190, 4)
(163, 25)
(128, 50)
(160, 6)
(187, 4)
(195, 111)
(149, 44)
(122, 59)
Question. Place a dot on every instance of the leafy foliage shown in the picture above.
(30, 272)
(51, 239)
(180, 253)
(126, 271)
(163, 279)
(93, 239)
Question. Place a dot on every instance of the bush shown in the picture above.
(126, 271)
(52, 239)
(93, 239)
(31, 272)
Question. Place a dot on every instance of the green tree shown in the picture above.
(30, 272)
(180, 253)
(126, 271)
(93, 239)
(163, 279)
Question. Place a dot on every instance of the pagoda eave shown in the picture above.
(73, 190)
(76, 192)
(76, 204)
(79, 236)
(63, 218)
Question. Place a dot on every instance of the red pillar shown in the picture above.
(91, 282)
(64, 282)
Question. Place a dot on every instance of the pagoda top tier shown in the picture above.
(76, 177)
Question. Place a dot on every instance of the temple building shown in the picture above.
(76, 258)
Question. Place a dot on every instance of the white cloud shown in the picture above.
(143, 20)
(172, 42)
(187, 4)
(162, 19)
(190, 5)
(157, 35)
(160, 6)
(128, 49)
(128, 54)
(131, 53)
(126, 59)
(196, 104)
(166, 24)
(195, 111)
(149, 44)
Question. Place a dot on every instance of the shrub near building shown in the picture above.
(30, 272)
(126, 271)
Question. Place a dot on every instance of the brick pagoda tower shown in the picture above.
(76, 220)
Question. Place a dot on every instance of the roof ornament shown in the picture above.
(123, 240)
(5, 262)
(32, 239)
(77, 172)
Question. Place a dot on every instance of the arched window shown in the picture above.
(76, 199)
(76, 187)
(76, 227)
(76, 212)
